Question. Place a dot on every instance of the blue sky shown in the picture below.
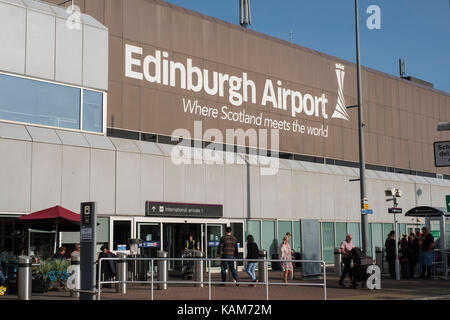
(416, 30)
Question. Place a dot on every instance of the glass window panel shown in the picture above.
(377, 235)
(402, 230)
(102, 233)
(296, 235)
(92, 111)
(387, 227)
(370, 239)
(122, 232)
(39, 102)
(283, 227)
(254, 228)
(328, 242)
(341, 233)
(353, 229)
(269, 242)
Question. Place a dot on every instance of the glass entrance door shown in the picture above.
(150, 234)
(213, 235)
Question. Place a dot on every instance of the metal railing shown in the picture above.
(443, 262)
(266, 283)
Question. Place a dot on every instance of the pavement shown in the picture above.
(296, 289)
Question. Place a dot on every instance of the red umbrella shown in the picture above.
(55, 218)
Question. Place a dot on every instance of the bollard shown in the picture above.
(162, 269)
(75, 265)
(337, 262)
(379, 257)
(24, 278)
(262, 266)
(122, 272)
(198, 268)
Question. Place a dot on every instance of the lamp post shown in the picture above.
(362, 164)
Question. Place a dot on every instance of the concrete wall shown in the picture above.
(42, 167)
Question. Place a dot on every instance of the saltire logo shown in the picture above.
(341, 110)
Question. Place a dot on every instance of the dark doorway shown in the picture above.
(175, 236)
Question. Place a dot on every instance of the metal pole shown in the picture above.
(324, 281)
(209, 279)
(24, 278)
(152, 278)
(362, 164)
(397, 264)
(266, 267)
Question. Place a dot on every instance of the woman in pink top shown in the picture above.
(286, 254)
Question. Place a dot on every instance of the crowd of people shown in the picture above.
(413, 251)
(415, 254)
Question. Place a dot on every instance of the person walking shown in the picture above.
(60, 255)
(390, 253)
(286, 254)
(228, 250)
(426, 254)
(252, 253)
(413, 254)
(346, 246)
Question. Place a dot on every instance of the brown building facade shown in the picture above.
(400, 116)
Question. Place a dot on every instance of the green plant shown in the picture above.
(60, 265)
(45, 267)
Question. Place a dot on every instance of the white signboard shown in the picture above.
(442, 153)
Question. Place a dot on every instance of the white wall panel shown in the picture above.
(235, 191)
(174, 181)
(255, 193)
(327, 208)
(75, 177)
(195, 183)
(12, 38)
(69, 53)
(268, 196)
(215, 184)
(128, 186)
(299, 202)
(15, 175)
(284, 194)
(46, 176)
(40, 50)
(103, 180)
(341, 186)
(313, 195)
(152, 179)
(95, 58)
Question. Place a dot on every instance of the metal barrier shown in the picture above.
(165, 282)
(443, 263)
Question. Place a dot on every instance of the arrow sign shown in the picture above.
(153, 208)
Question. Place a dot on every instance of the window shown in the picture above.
(341, 233)
(283, 227)
(92, 111)
(328, 241)
(387, 227)
(122, 232)
(296, 235)
(254, 228)
(50, 104)
(377, 235)
(269, 241)
(369, 235)
(353, 229)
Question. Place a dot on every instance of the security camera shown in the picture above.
(393, 192)
(389, 192)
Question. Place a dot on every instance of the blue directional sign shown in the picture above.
(367, 211)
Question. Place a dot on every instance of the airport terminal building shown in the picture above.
(92, 107)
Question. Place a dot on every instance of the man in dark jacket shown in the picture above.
(252, 253)
(228, 250)
(108, 266)
(426, 254)
(390, 253)
(413, 253)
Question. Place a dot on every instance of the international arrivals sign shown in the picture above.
(160, 68)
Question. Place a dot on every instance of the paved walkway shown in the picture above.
(435, 289)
